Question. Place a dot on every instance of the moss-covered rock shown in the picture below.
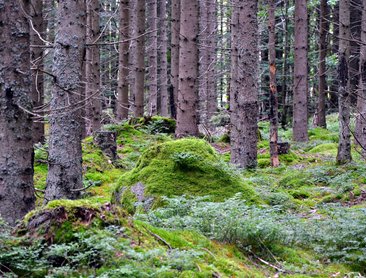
(186, 166)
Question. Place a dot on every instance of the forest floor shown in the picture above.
(199, 216)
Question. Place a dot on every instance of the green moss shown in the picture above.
(40, 175)
(295, 179)
(186, 166)
(323, 134)
(326, 149)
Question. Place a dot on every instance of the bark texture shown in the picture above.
(16, 161)
(203, 61)
(244, 87)
(273, 109)
(37, 65)
(175, 31)
(65, 160)
(320, 119)
(92, 68)
(300, 102)
(139, 63)
(123, 49)
(188, 70)
(344, 145)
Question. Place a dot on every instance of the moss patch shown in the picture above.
(186, 166)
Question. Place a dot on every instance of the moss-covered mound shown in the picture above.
(186, 166)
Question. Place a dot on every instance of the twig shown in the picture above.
(82, 189)
(158, 238)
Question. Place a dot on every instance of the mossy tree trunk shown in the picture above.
(244, 86)
(16, 160)
(65, 160)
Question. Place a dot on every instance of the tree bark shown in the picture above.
(211, 59)
(65, 160)
(16, 159)
(36, 11)
(123, 49)
(344, 146)
(175, 30)
(360, 132)
(320, 119)
(153, 58)
(273, 112)
(244, 84)
(187, 124)
(300, 102)
(92, 69)
(286, 50)
(162, 54)
(139, 55)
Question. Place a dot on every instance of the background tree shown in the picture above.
(16, 163)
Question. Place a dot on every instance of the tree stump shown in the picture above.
(283, 147)
(107, 142)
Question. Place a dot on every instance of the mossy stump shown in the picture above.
(186, 166)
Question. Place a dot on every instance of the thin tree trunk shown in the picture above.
(162, 52)
(211, 59)
(360, 132)
(16, 161)
(123, 49)
(273, 112)
(320, 119)
(286, 50)
(244, 84)
(139, 62)
(300, 102)
(92, 69)
(175, 30)
(333, 100)
(153, 58)
(187, 124)
(344, 146)
(65, 169)
(37, 64)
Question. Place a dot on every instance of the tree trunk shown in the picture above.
(320, 119)
(187, 124)
(300, 102)
(344, 146)
(139, 55)
(333, 99)
(36, 12)
(211, 59)
(153, 58)
(16, 160)
(286, 50)
(244, 86)
(65, 169)
(175, 30)
(123, 49)
(92, 69)
(273, 111)
(360, 132)
(162, 53)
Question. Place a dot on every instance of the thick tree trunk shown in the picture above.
(286, 50)
(92, 69)
(153, 58)
(36, 11)
(139, 55)
(187, 124)
(273, 111)
(123, 49)
(360, 132)
(162, 54)
(175, 30)
(320, 119)
(16, 161)
(300, 102)
(244, 87)
(211, 59)
(344, 146)
(65, 169)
